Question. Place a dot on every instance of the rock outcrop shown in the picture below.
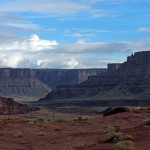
(9, 107)
(114, 110)
(130, 81)
(24, 84)
(21, 83)
(56, 77)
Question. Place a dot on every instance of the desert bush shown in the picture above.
(146, 122)
(41, 120)
(125, 145)
(60, 120)
(113, 136)
(6, 121)
(41, 133)
(81, 118)
(109, 136)
(18, 134)
(48, 120)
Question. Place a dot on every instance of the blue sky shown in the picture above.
(72, 33)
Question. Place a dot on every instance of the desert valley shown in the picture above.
(94, 109)
(74, 75)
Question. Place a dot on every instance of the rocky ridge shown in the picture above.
(25, 83)
(130, 81)
(56, 77)
(9, 107)
(21, 82)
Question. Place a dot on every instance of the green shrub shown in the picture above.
(125, 145)
(60, 120)
(113, 136)
(41, 120)
(109, 136)
(81, 118)
(146, 122)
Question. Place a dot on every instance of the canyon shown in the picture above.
(129, 80)
(24, 84)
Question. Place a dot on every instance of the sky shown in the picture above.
(72, 34)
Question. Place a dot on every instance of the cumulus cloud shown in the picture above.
(33, 44)
(34, 52)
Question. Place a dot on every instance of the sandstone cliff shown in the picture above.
(9, 107)
(56, 77)
(21, 83)
(131, 80)
(32, 84)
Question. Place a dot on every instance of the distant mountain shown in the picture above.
(21, 83)
(56, 77)
(129, 80)
(32, 84)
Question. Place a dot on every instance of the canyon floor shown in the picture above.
(20, 133)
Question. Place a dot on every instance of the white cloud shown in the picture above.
(50, 7)
(79, 35)
(22, 25)
(33, 44)
(34, 52)
(36, 44)
(144, 29)
(71, 63)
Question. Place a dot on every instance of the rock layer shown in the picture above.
(9, 107)
(56, 77)
(21, 82)
(131, 80)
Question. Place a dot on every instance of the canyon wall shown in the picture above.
(32, 84)
(130, 81)
(21, 83)
(56, 77)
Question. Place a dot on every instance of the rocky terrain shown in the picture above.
(77, 134)
(9, 107)
(23, 83)
(56, 77)
(131, 80)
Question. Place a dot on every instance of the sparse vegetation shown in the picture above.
(125, 145)
(146, 122)
(113, 136)
(41, 133)
(60, 120)
(41, 120)
(82, 118)
(18, 134)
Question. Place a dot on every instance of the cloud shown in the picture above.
(79, 35)
(33, 44)
(50, 7)
(144, 29)
(34, 52)
(22, 25)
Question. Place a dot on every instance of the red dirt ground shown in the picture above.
(75, 135)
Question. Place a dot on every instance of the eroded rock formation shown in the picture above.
(9, 107)
(21, 82)
(130, 81)
(56, 77)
